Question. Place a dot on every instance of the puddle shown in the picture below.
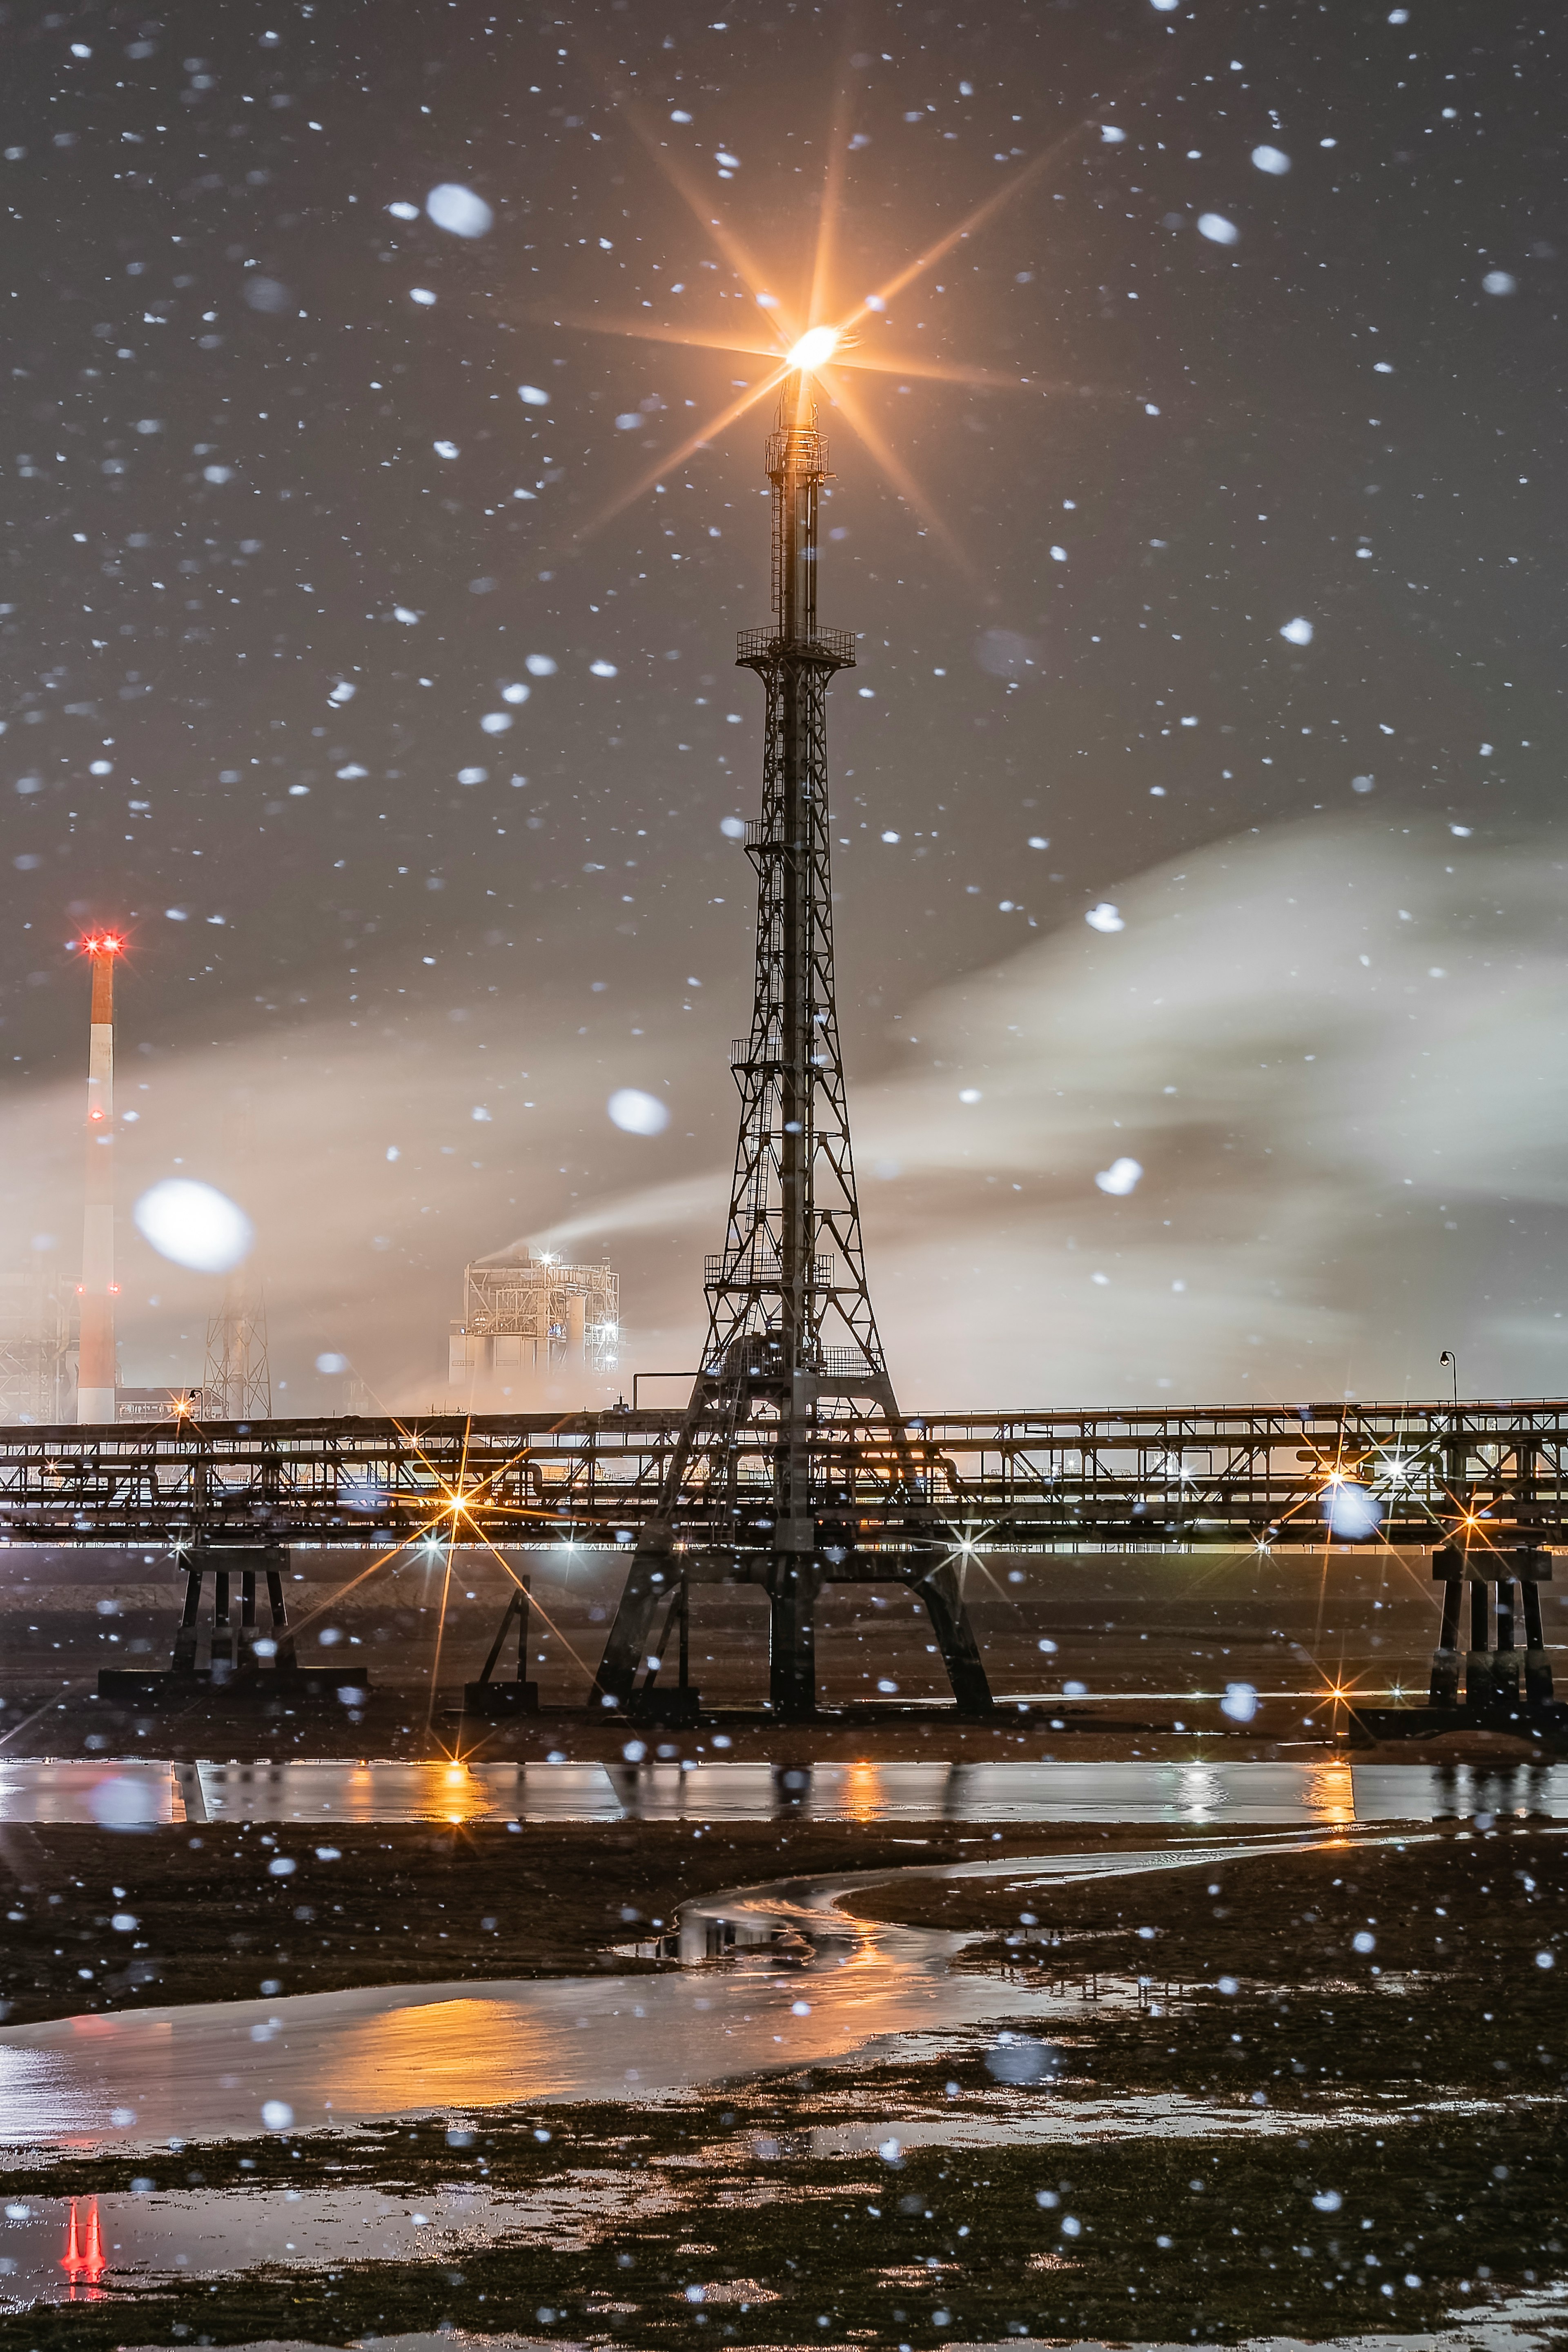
(231, 2069)
(139, 1791)
(70, 2249)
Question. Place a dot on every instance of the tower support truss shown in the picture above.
(793, 1351)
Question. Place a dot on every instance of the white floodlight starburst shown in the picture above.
(815, 347)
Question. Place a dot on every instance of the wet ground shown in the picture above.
(1318, 2151)
(428, 2085)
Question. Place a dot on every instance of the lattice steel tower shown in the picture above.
(791, 1334)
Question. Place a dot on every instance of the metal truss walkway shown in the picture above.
(1482, 1478)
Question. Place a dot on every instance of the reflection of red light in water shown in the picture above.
(83, 2261)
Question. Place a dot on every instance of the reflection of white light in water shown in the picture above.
(1351, 1511)
(1123, 1176)
(636, 1113)
(815, 347)
(195, 1224)
(1240, 1702)
(458, 211)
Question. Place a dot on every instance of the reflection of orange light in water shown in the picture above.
(83, 2261)
(450, 1793)
(1331, 1792)
(467, 2052)
(863, 1792)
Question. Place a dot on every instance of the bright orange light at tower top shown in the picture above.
(815, 347)
(103, 943)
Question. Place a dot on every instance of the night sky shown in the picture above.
(369, 650)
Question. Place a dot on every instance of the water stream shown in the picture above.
(140, 1792)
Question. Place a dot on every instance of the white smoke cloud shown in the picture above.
(1333, 1051)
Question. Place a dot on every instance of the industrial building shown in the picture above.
(523, 1314)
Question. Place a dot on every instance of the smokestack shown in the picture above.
(95, 1400)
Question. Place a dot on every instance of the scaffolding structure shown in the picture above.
(527, 1313)
(237, 1381)
(38, 1376)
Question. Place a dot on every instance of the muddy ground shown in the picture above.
(1358, 2152)
(393, 1903)
(1446, 1899)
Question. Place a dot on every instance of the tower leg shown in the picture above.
(1505, 1662)
(791, 1637)
(245, 1661)
(939, 1589)
(1445, 1685)
(286, 1661)
(222, 1631)
(520, 1697)
(185, 1639)
(1478, 1657)
(1537, 1665)
(647, 1583)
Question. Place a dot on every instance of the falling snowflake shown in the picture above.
(458, 211)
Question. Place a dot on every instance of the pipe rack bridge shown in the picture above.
(1475, 1479)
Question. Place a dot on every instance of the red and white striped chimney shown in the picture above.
(96, 1363)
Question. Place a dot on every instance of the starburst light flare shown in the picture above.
(821, 345)
(814, 349)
